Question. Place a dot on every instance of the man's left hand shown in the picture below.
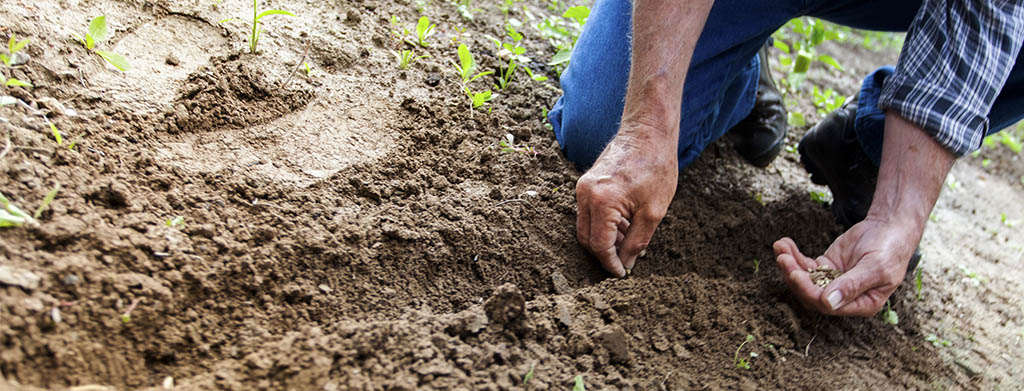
(873, 257)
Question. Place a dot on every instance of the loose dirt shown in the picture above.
(360, 228)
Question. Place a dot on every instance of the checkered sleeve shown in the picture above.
(957, 56)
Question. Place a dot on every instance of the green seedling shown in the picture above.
(529, 374)
(918, 284)
(820, 197)
(972, 277)
(309, 70)
(890, 316)
(578, 384)
(175, 222)
(1007, 139)
(13, 46)
(742, 363)
(12, 82)
(515, 53)
(757, 265)
(126, 317)
(424, 29)
(936, 341)
(466, 65)
(257, 16)
(58, 137)
(478, 99)
(507, 144)
(828, 100)
(465, 8)
(12, 216)
(795, 119)
(97, 34)
(1007, 222)
(400, 33)
(406, 58)
(458, 34)
(563, 35)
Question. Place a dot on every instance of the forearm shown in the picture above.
(913, 169)
(665, 33)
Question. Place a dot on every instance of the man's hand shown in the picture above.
(873, 256)
(625, 195)
(874, 253)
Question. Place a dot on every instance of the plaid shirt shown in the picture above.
(957, 56)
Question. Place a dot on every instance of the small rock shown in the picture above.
(172, 60)
(70, 279)
(53, 105)
(613, 338)
(18, 277)
(353, 17)
(563, 314)
(681, 352)
(506, 306)
(969, 369)
(20, 58)
(560, 283)
(433, 79)
(325, 288)
(659, 342)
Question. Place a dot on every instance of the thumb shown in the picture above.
(845, 295)
(639, 236)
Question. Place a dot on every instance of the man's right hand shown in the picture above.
(624, 196)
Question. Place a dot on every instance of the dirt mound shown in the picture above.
(232, 93)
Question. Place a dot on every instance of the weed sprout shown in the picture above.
(424, 29)
(98, 33)
(13, 46)
(742, 362)
(254, 37)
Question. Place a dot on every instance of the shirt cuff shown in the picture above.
(937, 110)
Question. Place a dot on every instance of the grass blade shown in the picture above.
(56, 134)
(12, 82)
(46, 201)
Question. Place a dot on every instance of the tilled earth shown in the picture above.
(360, 228)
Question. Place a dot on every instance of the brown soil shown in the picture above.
(359, 229)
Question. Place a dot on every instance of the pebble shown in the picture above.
(613, 338)
(560, 283)
(18, 277)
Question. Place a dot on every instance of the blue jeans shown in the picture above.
(721, 83)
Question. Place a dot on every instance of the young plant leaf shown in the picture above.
(97, 30)
(578, 384)
(272, 12)
(577, 13)
(14, 46)
(46, 201)
(830, 61)
(56, 134)
(115, 59)
(561, 57)
(12, 82)
(468, 65)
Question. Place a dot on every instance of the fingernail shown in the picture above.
(834, 298)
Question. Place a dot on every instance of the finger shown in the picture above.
(806, 291)
(624, 225)
(800, 261)
(848, 289)
(603, 231)
(582, 220)
(639, 235)
(619, 235)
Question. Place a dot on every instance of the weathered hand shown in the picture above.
(624, 196)
(873, 256)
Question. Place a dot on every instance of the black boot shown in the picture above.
(833, 156)
(759, 137)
